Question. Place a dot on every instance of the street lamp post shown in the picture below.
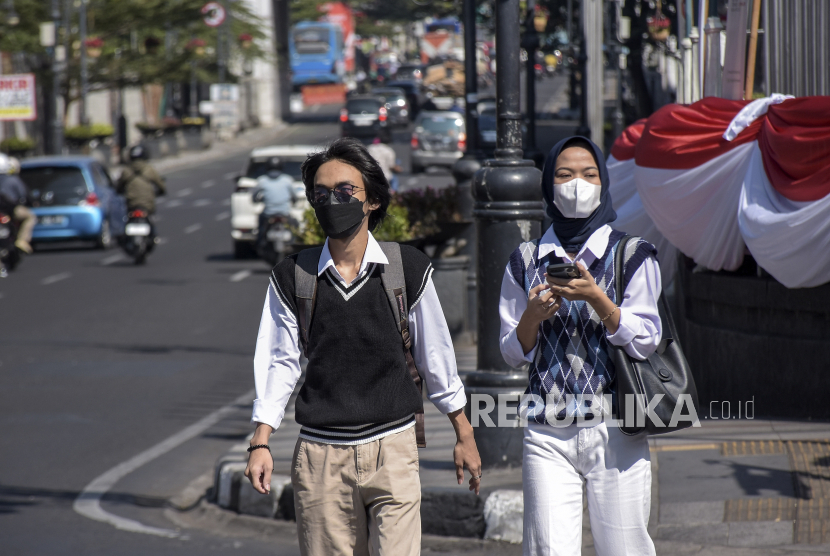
(56, 140)
(531, 43)
(466, 167)
(508, 210)
(82, 107)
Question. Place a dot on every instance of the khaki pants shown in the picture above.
(27, 223)
(358, 500)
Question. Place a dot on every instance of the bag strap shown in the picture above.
(305, 291)
(394, 284)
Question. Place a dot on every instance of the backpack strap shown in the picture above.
(305, 291)
(395, 286)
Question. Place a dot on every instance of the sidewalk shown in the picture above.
(730, 487)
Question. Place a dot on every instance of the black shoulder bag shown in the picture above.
(657, 395)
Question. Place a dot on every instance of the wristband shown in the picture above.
(252, 448)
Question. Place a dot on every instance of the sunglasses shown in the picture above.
(343, 193)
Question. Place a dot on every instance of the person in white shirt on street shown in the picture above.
(355, 466)
(564, 331)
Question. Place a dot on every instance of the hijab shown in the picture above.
(574, 232)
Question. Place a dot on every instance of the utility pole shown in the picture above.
(508, 211)
(531, 43)
(82, 107)
(592, 85)
(58, 76)
(282, 24)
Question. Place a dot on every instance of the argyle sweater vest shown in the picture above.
(574, 363)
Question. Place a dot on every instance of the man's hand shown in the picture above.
(260, 462)
(465, 454)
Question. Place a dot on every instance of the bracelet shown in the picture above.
(252, 448)
(610, 314)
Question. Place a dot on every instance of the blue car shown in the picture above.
(73, 199)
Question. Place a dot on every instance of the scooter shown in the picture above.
(139, 237)
(9, 254)
(274, 244)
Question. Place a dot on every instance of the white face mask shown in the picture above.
(576, 198)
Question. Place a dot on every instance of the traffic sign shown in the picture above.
(214, 13)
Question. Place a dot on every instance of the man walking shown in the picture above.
(355, 466)
(14, 197)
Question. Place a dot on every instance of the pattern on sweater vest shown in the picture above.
(573, 362)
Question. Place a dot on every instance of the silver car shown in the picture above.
(439, 139)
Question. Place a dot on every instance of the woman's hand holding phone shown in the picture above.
(542, 304)
(583, 288)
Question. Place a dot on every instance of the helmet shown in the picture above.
(274, 163)
(5, 164)
(138, 152)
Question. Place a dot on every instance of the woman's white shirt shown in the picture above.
(640, 328)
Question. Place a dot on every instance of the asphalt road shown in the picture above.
(101, 361)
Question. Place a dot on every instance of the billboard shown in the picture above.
(18, 99)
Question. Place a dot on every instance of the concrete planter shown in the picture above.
(450, 280)
(755, 346)
(170, 137)
(193, 138)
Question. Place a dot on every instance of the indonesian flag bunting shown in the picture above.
(720, 176)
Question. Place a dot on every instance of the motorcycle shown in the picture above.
(274, 243)
(139, 238)
(9, 254)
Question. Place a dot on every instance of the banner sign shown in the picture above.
(18, 100)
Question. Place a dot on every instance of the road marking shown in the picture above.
(226, 203)
(163, 240)
(112, 259)
(202, 203)
(230, 175)
(241, 275)
(173, 204)
(223, 215)
(88, 503)
(184, 192)
(55, 278)
(684, 447)
(208, 183)
(193, 228)
(411, 181)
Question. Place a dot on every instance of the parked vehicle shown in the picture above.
(397, 107)
(9, 254)
(74, 199)
(139, 236)
(365, 116)
(439, 139)
(245, 212)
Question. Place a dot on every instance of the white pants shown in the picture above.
(617, 469)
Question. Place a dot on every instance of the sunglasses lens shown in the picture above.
(343, 193)
(321, 195)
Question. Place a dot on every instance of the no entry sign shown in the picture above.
(18, 100)
(214, 13)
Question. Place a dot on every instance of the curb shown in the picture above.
(444, 511)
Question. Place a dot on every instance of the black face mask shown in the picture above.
(340, 220)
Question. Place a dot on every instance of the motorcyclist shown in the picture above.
(276, 189)
(13, 198)
(139, 182)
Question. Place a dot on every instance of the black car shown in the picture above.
(413, 95)
(365, 116)
(410, 72)
(397, 106)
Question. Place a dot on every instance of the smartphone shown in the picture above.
(565, 271)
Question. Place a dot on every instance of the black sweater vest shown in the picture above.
(356, 373)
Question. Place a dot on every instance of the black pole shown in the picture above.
(584, 129)
(531, 44)
(464, 170)
(508, 211)
(571, 62)
(281, 29)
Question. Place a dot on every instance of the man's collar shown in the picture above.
(596, 244)
(373, 254)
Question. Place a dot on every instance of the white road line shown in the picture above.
(223, 215)
(241, 275)
(88, 503)
(55, 278)
(226, 203)
(112, 259)
(411, 181)
(202, 203)
(163, 240)
(230, 175)
(173, 204)
(184, 192)
(208, 183)
(193, 228)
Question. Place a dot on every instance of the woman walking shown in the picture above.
(565, 329)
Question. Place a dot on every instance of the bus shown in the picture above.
(317, 53)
